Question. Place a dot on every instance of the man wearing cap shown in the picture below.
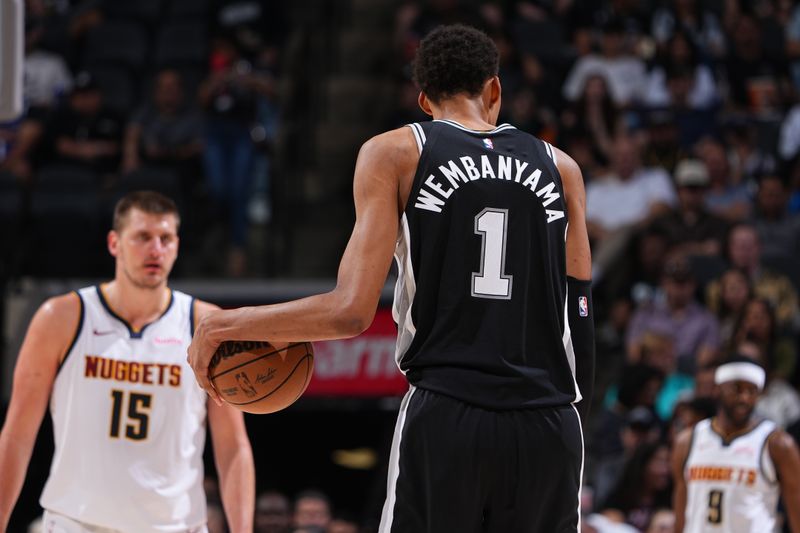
(689, 227)
(730, 470)
(677, 315)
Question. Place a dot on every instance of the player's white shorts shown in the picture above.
(58, 523)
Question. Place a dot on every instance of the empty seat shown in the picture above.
(119, 92)
(67, 236)
(149, 178)
(188, 8)
(116, 43)
(365, 53)
(544, 39)
(63, 178)
(182, 43)
(359, 100)
(143, 10)
(12, 202)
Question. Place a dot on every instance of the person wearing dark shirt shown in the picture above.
(165, 131)
(84, 132)
(689, 228)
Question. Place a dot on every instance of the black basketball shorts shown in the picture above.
(455, 467)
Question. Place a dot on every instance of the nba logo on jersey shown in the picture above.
(583, 306)
(489, 144)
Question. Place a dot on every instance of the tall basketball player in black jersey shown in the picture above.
(492, 303)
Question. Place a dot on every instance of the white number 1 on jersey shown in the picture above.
(491, 281)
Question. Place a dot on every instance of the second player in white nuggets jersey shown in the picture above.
(129, 423)
(732, 487)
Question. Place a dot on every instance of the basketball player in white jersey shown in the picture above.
(730, 470)
(129, 419)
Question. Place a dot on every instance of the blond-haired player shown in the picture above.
(129, 419)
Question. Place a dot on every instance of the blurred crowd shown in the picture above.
(683, 115)
(684, 118)
(173, 95)
(310, 511)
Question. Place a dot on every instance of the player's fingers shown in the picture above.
(200, 369)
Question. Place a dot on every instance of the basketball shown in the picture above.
(259, 377)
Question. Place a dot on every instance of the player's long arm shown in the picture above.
(51, 331)
(579, 274)
(349, 308)
(786, 457)
(234, 459)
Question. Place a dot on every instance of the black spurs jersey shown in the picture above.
(480, 300)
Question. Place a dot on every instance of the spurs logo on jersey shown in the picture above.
(731, 486)
(129, 425)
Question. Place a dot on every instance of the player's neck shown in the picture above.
(728, 429)
(469, 112)
(137, 305)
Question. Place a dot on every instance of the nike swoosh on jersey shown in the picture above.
(100, 333)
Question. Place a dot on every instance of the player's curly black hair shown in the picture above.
(454, 59)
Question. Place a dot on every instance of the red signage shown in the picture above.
(361, 366)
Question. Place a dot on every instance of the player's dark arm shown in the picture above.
(49, 335)
(349, 308)
(233, 457)
(784, 453)
(579, 274)
(680, 452)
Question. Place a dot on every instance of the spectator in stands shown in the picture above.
(735, 292)
(779, 402)
(678, 315)
(640, 427)
(662, 521)
(165, 131)
(680, 55)
(18, 143)
(700, 24)
(273, 513)
(627, 198)
(727, 197)
(593, 118)
(690, 229)
(748, 158)
(776, 350)
(660, 134)
(639, 385)
(312, 508)
(637, 277)
(792, 36)
(789, 137)
(623, 71)
(743, 250)
(658, 351)
(690, 410)
(84, 132)
(704, 385)
(778, 231)
(754, 77)
(228, 97)
(47, 76)
(342, 523)
(644, 486)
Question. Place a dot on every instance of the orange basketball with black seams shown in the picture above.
(260, 377)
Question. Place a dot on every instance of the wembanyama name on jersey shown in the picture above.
(437, 189)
